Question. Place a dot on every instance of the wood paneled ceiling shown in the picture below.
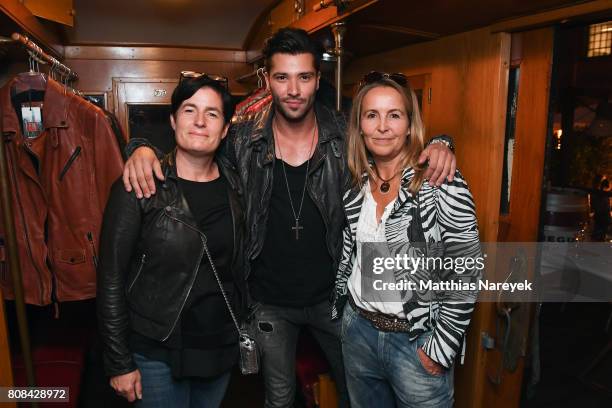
(390, 24)
(185, 23)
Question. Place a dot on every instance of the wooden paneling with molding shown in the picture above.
(153, 53)
(469, 80)
(97, 65)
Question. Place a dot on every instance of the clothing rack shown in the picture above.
(40, 55)
(37, 55)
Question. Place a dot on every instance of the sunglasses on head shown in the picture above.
(375, 76)
(193, 74)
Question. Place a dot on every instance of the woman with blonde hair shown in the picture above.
(398, 345)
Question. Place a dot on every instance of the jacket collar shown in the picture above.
(55, 104)
(168, 164)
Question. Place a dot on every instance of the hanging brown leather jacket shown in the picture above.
(60, 182)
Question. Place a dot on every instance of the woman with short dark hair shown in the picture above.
(170, 265)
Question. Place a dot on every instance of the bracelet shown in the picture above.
(445, 139)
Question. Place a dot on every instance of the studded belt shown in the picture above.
(381, 321)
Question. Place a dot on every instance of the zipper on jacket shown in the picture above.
(25, 227)
(143, 259)
(93, 249)
(195, 274)
(71, 160)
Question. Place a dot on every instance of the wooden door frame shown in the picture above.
(122, 100)
(522, 222)
(471, 377)
(426, 102)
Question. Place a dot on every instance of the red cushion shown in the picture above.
(59, 363)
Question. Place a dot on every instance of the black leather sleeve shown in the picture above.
(137, 142)
(118, 240)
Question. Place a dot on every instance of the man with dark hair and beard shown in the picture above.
(293, 169)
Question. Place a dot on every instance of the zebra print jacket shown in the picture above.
(447, 215)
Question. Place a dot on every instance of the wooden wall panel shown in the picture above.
(530, 135)
(101, 64)
(522, 222)
(153, 53)
(469, 77)
(96, 75)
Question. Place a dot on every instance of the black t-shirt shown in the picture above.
(204, 342)
(289, 271)
(205, 312)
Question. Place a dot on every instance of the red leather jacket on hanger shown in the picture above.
(60, 182)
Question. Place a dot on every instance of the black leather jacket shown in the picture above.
(150, 252)
(250, 146)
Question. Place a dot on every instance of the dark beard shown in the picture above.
(280, 109)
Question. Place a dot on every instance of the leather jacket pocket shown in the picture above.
(71, 256)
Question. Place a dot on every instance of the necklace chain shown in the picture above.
(385, 186)
(297, 216)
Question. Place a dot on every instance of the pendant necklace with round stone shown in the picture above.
(385, 186)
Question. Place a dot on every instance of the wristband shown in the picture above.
(445, 139)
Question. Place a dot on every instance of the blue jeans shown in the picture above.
(161, 390)
(384, 370)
